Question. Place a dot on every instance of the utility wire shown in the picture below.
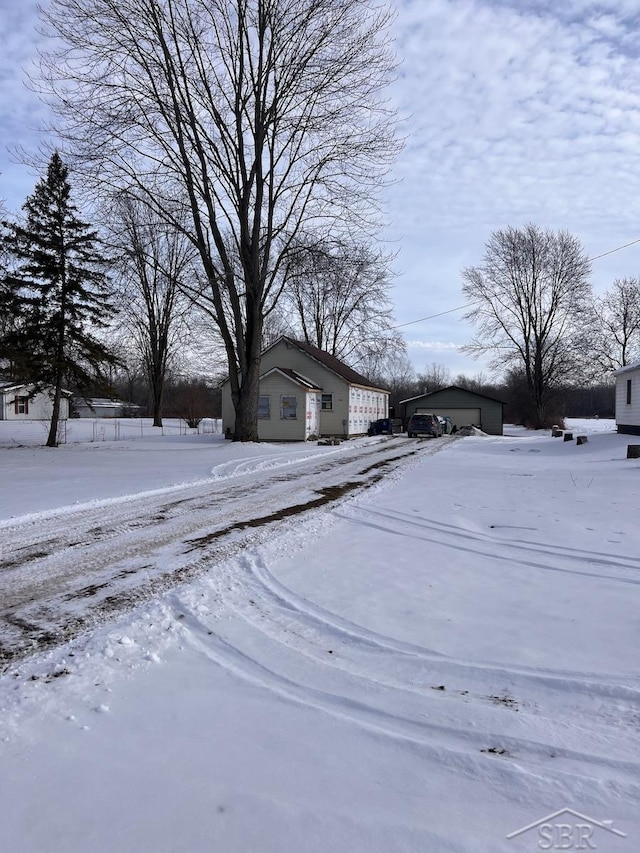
(432, 316)
(611, 251)
(469, 304)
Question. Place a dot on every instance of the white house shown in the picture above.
(628, 399)
(19, 403)
(301, 386)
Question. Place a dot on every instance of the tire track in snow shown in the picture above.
(368, 701)
(72, 569)
(488, 545)
(265, 633)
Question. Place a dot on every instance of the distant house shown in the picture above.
(628, 399)
(101, 407)
(18, 402)
(304, 392)
(461, 405)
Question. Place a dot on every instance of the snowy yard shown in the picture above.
(433, 664)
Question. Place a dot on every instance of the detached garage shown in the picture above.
(462, 406)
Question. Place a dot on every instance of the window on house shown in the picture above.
(628, 392)
(327, 402)
(288, 407)
(264, 408)
(22, 405)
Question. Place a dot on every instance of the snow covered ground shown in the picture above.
(431, 665)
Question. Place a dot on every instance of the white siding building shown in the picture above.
(19, 403)
(628, 399)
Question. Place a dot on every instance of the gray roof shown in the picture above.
(451, 388)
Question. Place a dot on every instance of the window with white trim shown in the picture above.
(21, 405)
(288, 407)
(327, 402)
(264, 408)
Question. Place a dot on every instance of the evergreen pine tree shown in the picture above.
(63, 293)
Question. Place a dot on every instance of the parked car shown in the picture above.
(424, 424)
(382, 426)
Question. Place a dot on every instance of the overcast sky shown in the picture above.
(514, 112)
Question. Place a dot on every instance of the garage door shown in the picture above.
(460, 417)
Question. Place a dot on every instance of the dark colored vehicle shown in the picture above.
(424, 424)
(383, 426)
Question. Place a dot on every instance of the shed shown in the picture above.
(461, 405)
(102, 407)
(20, 402)
(628, 399)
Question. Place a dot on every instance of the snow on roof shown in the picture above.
(104, 403)
(17, 386)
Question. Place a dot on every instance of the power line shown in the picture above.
(432, 316)
(611, 251)
(469, 304)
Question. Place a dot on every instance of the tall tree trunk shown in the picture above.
(245, 402)
(157, 395)
(52, 439)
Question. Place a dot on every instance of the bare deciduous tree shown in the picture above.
(396, 373)
(264, 116)
(478, 382)
(531, 300)
(153, 261)
(616, 335)
(435, 377)
(337, 298)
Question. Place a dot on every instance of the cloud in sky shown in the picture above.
(21, 111)
(513, 112)
(516, 112)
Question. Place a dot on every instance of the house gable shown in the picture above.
(327, 361)
(293, 376)
(289, 406)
